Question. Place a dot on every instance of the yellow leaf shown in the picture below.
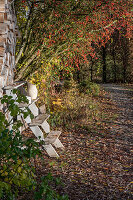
(26, 8)
(19, 169)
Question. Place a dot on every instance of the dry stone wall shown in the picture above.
(8, 34)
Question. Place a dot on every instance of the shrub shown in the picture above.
(17, 170)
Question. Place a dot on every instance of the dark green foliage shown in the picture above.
(17, 170)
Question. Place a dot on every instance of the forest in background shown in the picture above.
(66, 43)
(62, 38)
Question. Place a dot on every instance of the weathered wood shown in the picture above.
(39, 119)
(10, 36)
(45, 126)
(12, 26)
(14, 86)
(37, 132)
(52, 136)
(50, 150)
(42, 109)
(57, 143)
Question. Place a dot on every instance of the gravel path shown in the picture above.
(123, 98)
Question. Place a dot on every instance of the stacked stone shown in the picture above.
(8, 33)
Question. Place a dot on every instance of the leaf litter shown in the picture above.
(97, 160)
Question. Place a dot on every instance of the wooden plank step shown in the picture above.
(34, 109)
(50, 150)
(22, 105)
(37, 132)
(53, 139)
(52, 135)
(57, 143)
(14, 86)
(39, 120)
(45, 126)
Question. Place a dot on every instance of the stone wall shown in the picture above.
(8, 34)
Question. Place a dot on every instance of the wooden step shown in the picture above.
(50, 150)
(33, 108)
(39, 120)
(37, 132)
(22, 105)
(53, 139)
(52, 136)
(14, 86)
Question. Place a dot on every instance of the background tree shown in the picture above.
(57, 36)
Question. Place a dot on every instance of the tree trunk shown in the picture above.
(125, 56)
(114, 60)
(104, 64)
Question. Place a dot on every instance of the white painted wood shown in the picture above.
(1, 92)
(52, 138)
(10, 120)
(32, 91)
(29, 99)
(14, 86)
(28, 120)
(34, 109)
(1, 81)
(50, 150)
(37, 132)
(45, 126)
(54, 133)
(58, 144)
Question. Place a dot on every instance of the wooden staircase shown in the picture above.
(38, 124)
